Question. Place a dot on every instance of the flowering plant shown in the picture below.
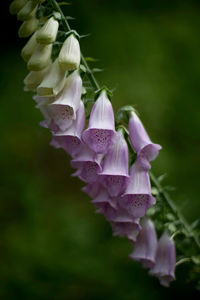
(113, 154)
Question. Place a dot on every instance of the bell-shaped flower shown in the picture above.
(48, 32)
(63, 109)
(69, 56)
(88, 164)
(53, 81)
(40, 58)
(33, 79)
(146, 150)
(28, 11)
(42, 105)
(165, 262)
(115, 171)
(92, 189)
(126, 228)
(102, 201)
(70, 139)
(123, 224)
(16, 6)
(28, 27)
(146, 244)
(137, 197)
(29, 48)
(101, 129)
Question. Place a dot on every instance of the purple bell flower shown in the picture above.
(137, 197)
(101, 127)
(103, 200)
(88, 164)
(70, 139)
(165, 264)
(63, 109)
(127, 229)
(42, 105)
(146, 244)
(114, 173)
(92, 189)
(123, 224)
(146, 150)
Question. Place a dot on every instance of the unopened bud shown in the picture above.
(28, 27)
(29, 48)
(28, 11)
(47, 34)
(69, 57)
(16, 6)
(33, 79)
(41, 57)
(53, 81)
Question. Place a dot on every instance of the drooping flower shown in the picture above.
(165, 262)
(102, 200)
(137, 197)
(53, 81)
(70, 139)
(146, 244)
(146, 150)
(101, 129)
(69, 56)
(115, 171)
(92, 189)
(88, 164)
(29, 48)
(27, 11)
(33, 79)
(16, 6)
(123, 224)
(40, 58)
(48, 32)
(129, 229)
(28, 27)
(63, 109)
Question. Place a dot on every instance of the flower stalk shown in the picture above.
(165, 196)
(103, 152)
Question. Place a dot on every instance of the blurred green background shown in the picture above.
(52, 245)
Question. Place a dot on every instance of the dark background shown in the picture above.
(52, 245)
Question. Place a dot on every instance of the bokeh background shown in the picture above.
(52, 245)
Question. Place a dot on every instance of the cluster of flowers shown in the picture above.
(99, 152)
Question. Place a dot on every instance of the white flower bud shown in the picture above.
(41, 57)
(53, 82)
(47, 34)
(28, 11)
(29, 48)
(16, 6)
(69, 57)
(33, 79)
(28, 27)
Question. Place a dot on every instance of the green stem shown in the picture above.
(174, 209)
(157, 184)
(83, 60)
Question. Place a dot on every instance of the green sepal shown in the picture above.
(104, 88)
(123, 114)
